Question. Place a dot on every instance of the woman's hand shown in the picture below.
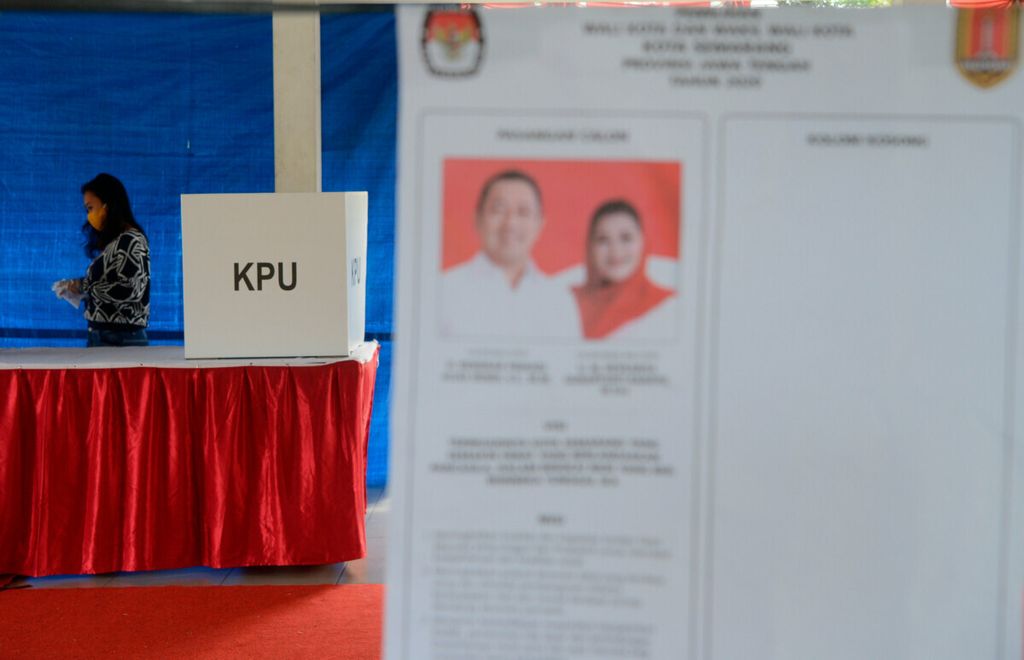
(69, 290)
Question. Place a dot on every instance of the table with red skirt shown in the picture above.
(130, 459)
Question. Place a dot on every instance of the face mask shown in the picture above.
(96, 218)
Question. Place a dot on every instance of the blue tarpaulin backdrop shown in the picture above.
(175, 104)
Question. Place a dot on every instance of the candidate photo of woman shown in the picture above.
(617, 298)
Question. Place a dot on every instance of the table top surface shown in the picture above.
(170, 357)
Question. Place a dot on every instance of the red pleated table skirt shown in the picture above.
(134, 459)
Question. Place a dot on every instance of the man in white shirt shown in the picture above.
(500, 292)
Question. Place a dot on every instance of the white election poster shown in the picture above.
(708, 335)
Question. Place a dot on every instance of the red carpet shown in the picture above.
(323, 621)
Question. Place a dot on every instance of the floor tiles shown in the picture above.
(67, 581)
(281, 575)
(183, 577)
(370, 570)
(376, 529)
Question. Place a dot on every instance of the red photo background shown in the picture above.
(572, 190)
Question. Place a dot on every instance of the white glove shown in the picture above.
(61, 288)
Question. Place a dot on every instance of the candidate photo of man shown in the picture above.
(500, 291)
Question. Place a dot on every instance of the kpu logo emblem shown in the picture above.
(453, 42)
(987, 44)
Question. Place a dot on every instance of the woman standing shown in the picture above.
(617, 292)
(116, 284)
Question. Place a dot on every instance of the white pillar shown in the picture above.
(297, 158)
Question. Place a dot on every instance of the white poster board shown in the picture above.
(810, 448)
(273, 274)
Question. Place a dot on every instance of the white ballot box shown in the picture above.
(273, 274)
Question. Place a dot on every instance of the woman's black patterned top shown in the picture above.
(117, 282)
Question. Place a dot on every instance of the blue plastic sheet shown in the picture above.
(170, 104)
(175, 104)
(359, 88)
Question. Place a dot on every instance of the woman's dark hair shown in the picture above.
(613, 206)
(111, 192)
